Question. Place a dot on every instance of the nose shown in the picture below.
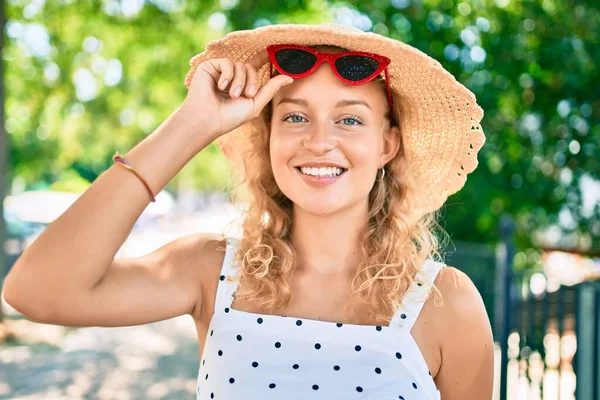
(319, 139)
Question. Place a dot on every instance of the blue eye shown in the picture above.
(300, 118)
(291, 116)
(352, 119)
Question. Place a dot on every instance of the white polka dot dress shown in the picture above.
(257, 356)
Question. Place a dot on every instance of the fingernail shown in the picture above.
(237, 91)
(251, 90)
(224, 84)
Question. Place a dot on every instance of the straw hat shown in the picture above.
(438, 117)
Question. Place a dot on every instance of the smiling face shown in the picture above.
(320, 124)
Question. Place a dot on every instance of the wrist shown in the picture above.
(196, 117)
(198, 128)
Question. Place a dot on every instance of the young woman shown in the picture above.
(346, 143)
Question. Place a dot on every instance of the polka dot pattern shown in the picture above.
(276, 357)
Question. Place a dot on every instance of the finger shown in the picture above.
(266, 93)
(251, 80)
(225, 66)
(239, 80)
(259, 59)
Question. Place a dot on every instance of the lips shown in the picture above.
(320, 181)
(320, 166)
(319, 176)
(304, 167)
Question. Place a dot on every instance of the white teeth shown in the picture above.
(323, 171)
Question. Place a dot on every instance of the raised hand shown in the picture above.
(225, 94)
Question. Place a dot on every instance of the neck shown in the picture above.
(329, 245)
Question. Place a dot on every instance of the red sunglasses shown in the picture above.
(351, 67)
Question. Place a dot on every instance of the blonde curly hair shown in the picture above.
(392, 251)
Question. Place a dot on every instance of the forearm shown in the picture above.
(75, 251)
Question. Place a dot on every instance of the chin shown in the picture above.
(320, 210)
(316, 205)
(319, 201)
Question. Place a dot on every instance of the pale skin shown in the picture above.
(76, 289)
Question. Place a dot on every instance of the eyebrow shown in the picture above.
(341, 103)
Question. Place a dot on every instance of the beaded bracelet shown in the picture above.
(118, 159)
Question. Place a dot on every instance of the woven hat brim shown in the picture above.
(438, 116)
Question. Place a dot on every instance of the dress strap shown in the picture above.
(407, 313)
(228, 281)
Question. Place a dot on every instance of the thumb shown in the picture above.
(267, 92)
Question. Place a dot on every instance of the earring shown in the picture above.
(382, 174)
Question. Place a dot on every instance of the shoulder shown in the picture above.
(466, 340)
(194, 250)
(198, 257)
(463, 305)
(458, 290)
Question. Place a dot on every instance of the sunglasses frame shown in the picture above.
(383, 62)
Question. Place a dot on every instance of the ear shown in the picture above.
(391, 145)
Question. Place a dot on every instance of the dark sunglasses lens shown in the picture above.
(356, 68)
(295, 61)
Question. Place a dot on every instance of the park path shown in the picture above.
(152, 361)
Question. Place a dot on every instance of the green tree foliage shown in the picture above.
(100, 75)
